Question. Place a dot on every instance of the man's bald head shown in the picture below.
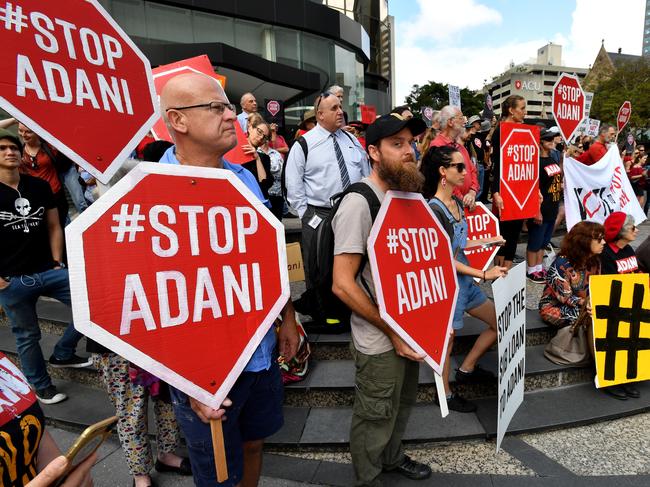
(206, 130)
(188, 89)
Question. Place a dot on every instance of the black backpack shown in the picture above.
(329, 313)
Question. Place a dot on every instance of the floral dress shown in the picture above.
(565, 292)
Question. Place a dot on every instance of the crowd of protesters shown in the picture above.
(454, 162)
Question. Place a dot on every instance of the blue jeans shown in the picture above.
(19, 302)
(71, 180)
(255, 414)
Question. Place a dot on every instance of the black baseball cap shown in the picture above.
(547, 134)
(390, 124)
(5, 134)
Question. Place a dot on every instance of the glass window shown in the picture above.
(168, 23)
(317, 55)
(250, 37)
(213, 28)
(287, 47)
(129, 15)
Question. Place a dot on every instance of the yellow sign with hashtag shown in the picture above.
(620, 306)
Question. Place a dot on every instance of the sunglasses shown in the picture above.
(460, 166)
(321, 97)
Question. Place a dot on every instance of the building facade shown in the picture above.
(289, 50)
(646, 30)
(534, 81)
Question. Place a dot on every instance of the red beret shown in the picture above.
(613, 224)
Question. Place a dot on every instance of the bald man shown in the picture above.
(248, 105)
(201, 121)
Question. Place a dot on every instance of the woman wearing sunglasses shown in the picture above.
(444, 170)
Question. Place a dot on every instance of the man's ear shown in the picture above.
(177, 121)
(374, 153)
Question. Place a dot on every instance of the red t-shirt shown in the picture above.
(595, 153)
(41, 166)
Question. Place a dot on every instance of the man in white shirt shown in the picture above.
(334, 160)
(248, 105)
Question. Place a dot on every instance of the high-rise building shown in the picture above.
(646, 30)
(278, 49)
(533, 80)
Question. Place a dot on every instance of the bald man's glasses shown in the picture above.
(214, 106)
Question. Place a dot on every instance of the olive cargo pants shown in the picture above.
(385, 390)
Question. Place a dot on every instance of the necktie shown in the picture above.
(345, 177)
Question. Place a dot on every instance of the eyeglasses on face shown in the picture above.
(261, 133)
(217, 107)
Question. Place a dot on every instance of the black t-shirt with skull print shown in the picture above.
(23, 227)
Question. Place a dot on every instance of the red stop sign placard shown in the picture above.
(415, 277)
(624, 114)
(481, 223)
(181, 270)
(568, 105)
(162, 74)
(519, 171)
(74, 77)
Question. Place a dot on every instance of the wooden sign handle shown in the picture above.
(219, 450)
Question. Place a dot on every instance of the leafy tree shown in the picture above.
(436, 95)
(630, 81)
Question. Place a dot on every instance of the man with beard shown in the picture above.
(386, 367)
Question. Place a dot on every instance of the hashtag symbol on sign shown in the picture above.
(509, 150)
(392, 241)
(128, 223)
(612, 343)
(13, 19)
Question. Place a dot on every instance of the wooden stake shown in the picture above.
(219, 450)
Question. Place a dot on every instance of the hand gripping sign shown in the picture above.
(519, 171)
(481, 224)
(568, 105)
(73, 76)
(415, 278)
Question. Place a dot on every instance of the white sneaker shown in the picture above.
(50, 395)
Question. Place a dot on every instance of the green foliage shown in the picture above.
(436, 95)
(631, 81)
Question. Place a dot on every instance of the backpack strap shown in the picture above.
(303, 144)
(374, 204)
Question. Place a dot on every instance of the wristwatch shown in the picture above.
(59, 264)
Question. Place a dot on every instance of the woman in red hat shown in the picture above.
(618, 256)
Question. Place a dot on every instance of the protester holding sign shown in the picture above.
(201, 121)
(598, 148)
(618, 257)
(513, 110)
(540, 228)
(567, 278)
(444, 171)
(387, 369)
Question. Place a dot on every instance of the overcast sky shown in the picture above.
(465, 42)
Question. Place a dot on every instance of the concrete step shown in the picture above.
(335, 346)
(329, 426)
(87, 375)
(330, 383)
